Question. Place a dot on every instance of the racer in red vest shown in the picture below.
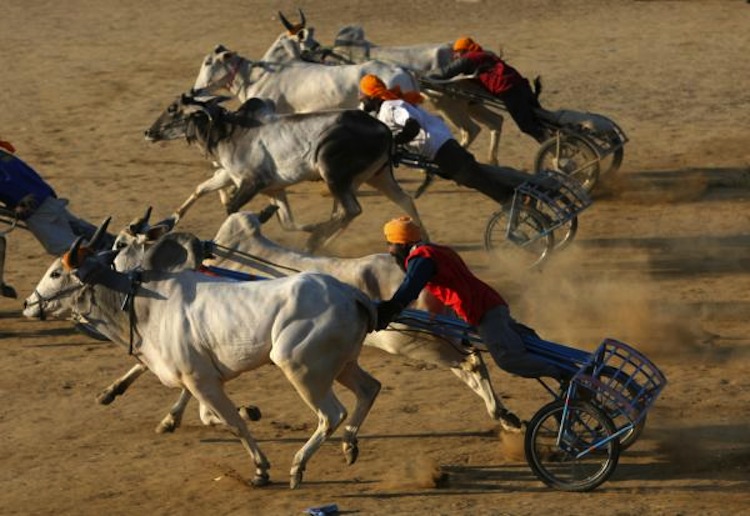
(501, 80)
(444, 274)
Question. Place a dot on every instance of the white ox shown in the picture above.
(197, 332)
(295, 86)
(468, 117)
(240, 245)
(261, 152)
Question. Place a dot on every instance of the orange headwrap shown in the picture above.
(372, 86)
(466, 44)
(7, 146)
(402, 230)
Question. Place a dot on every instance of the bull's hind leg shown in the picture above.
(366, 389)
(384, 182)
(346, 208)
(210, 393)
(494, 122)
(317, 391)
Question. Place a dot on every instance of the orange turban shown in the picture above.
(466, 44)
(7, 146)
(372, 86)
(402, 230)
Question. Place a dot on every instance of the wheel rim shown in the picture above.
(574, 157)
(558, 465)
(527, 245)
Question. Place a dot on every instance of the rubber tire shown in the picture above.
(537, 463)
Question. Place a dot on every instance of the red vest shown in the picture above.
(454, 284)
(496, 75)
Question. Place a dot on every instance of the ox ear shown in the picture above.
(174, 252)
(220, 48)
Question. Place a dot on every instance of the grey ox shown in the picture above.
(259, 151)
(240, 245)
(197, 332)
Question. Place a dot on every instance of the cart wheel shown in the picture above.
(528, 244)
(611, 163)
(613, 376)
(565, 234)
(570, 155)
(562, 466)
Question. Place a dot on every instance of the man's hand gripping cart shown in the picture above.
(574, 442)
(582, 145)
(536, 222)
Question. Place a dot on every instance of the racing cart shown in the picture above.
(533, 224)
(582, 145)
(573, 443)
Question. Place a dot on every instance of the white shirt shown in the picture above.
(432, 135)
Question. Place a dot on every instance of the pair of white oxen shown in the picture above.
(299, 131)
(197, 331)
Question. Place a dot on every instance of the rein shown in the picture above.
(214, 245)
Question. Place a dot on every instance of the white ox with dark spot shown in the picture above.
(197, 332)
(259, 151)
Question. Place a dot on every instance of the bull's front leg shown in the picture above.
(173, 419)
(220, 180)
(120, 385)
(246, 190)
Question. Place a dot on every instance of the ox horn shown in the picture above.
(100, 231)
(302, 21)
(70, 259)
(139, 225)
(286, 22)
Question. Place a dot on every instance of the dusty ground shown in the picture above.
(661, 262)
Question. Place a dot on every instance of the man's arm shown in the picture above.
(461, 65)
(419, 271)
(408, 132)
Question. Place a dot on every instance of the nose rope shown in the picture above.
(41, 300)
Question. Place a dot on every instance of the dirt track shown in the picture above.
(661, 262)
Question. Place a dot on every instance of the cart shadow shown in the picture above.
(677, 256)
(680, 185)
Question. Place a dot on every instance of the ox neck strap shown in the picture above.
(97, 273)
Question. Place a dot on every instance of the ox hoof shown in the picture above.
(166, 427)
(295, 479)
(105, 398)
(510, 422)
(250, 413)
(351, 452)
(260, 480)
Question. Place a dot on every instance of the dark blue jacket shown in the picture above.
(17, 180)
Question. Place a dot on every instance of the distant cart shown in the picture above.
(583, 145)
(534, 224)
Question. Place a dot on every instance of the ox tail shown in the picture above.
(365, 304)
(537, 87)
